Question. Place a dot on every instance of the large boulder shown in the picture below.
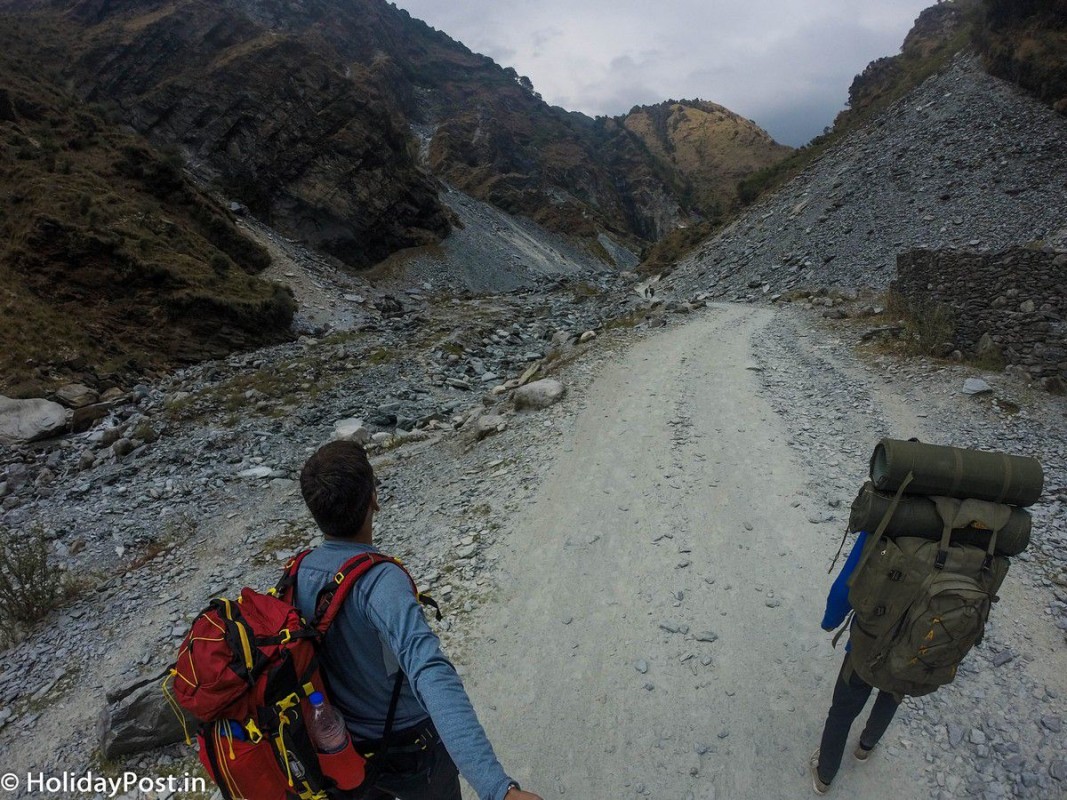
(539, 394)
(30, 420)
(139, 718)
(352, 430)
(76, 395)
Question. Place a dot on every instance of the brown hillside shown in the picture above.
(111, 262)
(305, 112)
(709, 147)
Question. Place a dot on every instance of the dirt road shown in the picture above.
(659, 633)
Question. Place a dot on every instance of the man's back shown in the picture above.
(359, 663)
(381, 628)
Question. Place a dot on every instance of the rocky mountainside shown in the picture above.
(965, 161)
(939, 32)
(709, 146)
(1024, 43)
(304, 113)
(112, 263)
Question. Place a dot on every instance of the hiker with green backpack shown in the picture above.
(851, 692)
(936, 526)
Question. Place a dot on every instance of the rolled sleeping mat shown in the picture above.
(917, 516)
(955, 472)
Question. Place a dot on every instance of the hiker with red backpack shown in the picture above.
(918, 589)
(381, 660)
(332, 686)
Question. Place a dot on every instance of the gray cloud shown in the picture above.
(787, 64)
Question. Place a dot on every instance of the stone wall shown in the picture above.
(1018, 297)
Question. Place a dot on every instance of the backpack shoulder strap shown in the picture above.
(283, 589)
(872, 542)
(333, 594)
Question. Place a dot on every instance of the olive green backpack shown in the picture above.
(919, 606)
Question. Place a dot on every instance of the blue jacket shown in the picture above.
(380, 629)
(837, 605)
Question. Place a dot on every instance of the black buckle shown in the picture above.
(896, 575)
(939, 562)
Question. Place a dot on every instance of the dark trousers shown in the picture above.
(407, 774)
(850, 696)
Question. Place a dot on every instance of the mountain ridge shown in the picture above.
(489, 133)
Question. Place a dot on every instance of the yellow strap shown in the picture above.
(279, 743)
(246, 646)
(177, 709)
(288, 702)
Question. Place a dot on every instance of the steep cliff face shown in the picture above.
(274, 113)
(1025, 41)
(305, 112)
(111, 262)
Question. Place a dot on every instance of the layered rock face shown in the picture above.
(306, 113)
(279, 117)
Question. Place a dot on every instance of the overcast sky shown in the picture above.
(787, 64)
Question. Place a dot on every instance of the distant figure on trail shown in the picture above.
(383, 663)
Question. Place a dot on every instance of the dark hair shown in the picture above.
(337, 484)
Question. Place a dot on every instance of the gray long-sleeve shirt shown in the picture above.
(381, 628)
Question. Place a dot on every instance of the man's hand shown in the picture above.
(519, 794)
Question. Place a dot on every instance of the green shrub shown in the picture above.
(29, 588)
(928, 326)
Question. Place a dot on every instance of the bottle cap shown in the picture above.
(317, 699)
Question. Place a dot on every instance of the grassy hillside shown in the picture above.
(111, 262)
(1025, 41)
(706, 147)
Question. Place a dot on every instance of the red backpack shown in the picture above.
(246, 670)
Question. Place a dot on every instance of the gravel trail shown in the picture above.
(657, 629)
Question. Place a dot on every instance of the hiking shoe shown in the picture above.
(816, 781)
(861, 753)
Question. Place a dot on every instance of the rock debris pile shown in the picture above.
(966, 161)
